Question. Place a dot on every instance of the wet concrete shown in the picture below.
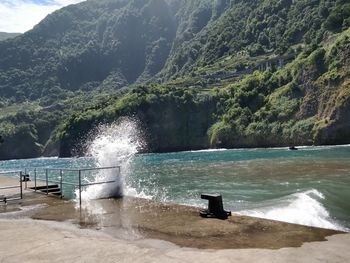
(136, 219)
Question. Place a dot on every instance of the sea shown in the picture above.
(308, 186)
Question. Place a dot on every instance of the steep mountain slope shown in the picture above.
(306, 103)
(95, 43)
(259, 53)
(251, 28)
(114, 43)
(4, 35)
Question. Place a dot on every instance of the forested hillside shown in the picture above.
(4, 35)
(305, 103)
(95, 44)
(228, 73)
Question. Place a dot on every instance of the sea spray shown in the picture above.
(113, 145)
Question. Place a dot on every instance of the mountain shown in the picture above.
(81, 47)
(4, 35)
(110, 44)
(232, 66)
(306, 102)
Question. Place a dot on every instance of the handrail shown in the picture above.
(76, 184)
(97, 183)
(61, 181)
(58, 182)
(20, 186)
(10, 172)
(82, 169)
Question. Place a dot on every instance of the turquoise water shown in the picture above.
(309, 186)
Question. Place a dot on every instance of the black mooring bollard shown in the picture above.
(25, 178)
(215, 207)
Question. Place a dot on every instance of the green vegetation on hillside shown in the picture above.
(197, 73)
(4, 35)
(38, 123)
(95, 44)
(256, 27)
(299, 104)
(292, 106)
(174, 118)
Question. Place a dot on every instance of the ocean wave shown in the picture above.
(130, 191)
(209, 150)
(304, 208)
(114, 145)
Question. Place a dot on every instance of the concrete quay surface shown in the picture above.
(48, 229)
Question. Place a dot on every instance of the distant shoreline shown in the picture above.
(205, 150)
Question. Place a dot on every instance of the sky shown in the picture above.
(19, 16)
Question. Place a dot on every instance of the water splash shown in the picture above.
(113, 145)
(304, 208)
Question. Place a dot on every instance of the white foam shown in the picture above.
(302, 208)
(130, 191)
(210, 150)
(115, 145)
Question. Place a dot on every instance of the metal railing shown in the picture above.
(19, 174)
(76, 181)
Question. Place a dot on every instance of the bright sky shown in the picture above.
(22, 15)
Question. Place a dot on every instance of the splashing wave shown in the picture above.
(304, 208)
(113, 145)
